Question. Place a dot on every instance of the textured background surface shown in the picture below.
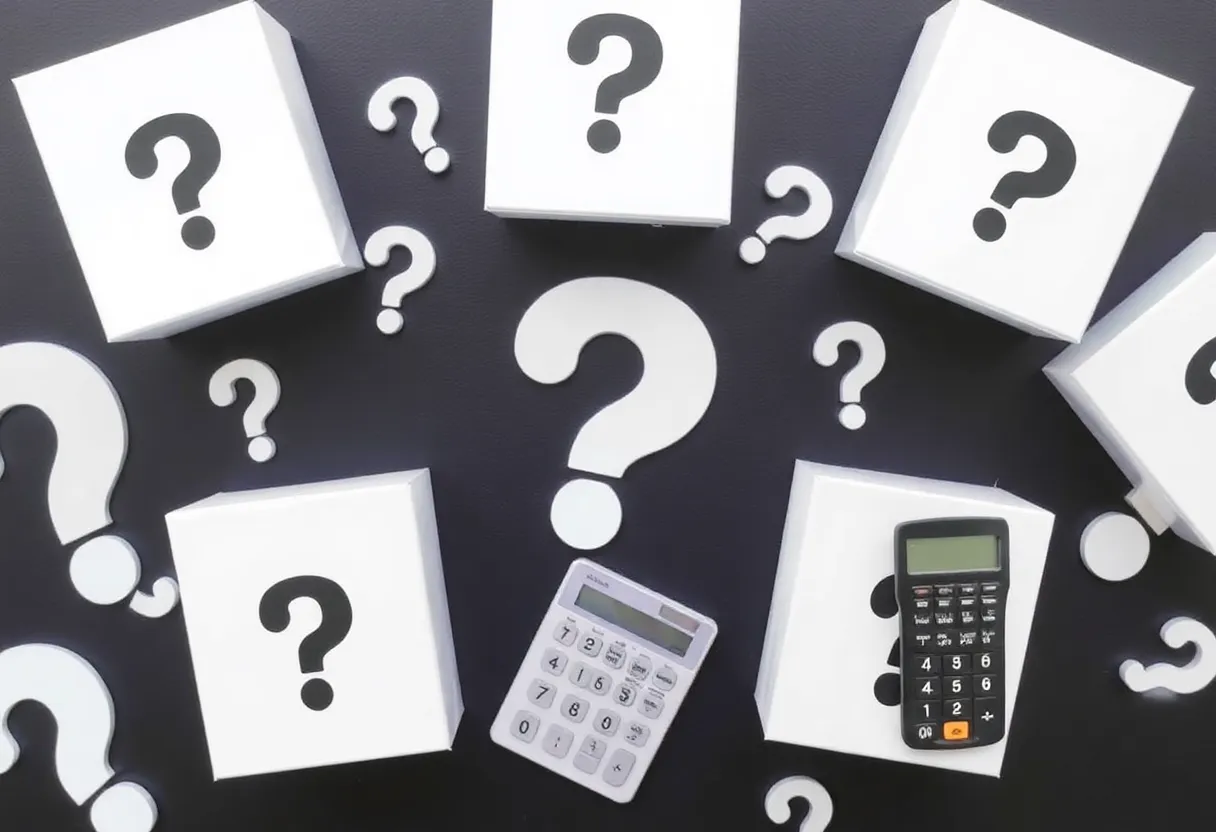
(961, 398)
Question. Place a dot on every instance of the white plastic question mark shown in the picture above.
(1194, 676)
(266, 390)
(777, 802)
(873, 356)
(422, 134)
(801, 227)
(422, 268)
(91, 430)
(76, 696)
(680, 372)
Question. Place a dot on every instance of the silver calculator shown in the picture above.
(606, 673)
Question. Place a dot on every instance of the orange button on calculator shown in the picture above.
(956, 730)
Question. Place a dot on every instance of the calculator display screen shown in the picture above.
(953, 554)
(633, 620)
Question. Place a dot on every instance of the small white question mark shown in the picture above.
(1194, 676)
(801, 227)
(76, 696)
(91, 431)
(422, 267)
(680, 372)
(826, 352)
(777, 802)
(422, 134)
(266, 389)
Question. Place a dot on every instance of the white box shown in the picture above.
(393, 678)
(273, 205)
(1130, 381)
(825, 648)
(934, 168)
(675, 157)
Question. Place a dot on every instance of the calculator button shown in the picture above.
(945, 639)
(922, 604)
(966, 617)
(665, 678)
(966, 589)
(928, 711)
(619, 766)
(988, 616)
(636, 734)
(923, 640)
(566, 633)
(929, 688)
(575, 709)
(927, 664)
(557, 741)
(639, 668)
(989, 588)
(946, 591)
(957, 664)
(606, 722)
(989, 718)
(944, 604)
(601, 683)
(958, 686)
(968, 638)
(990, 638)
(926, 732)
(593, 747)
(987, 600)
(584, 763)
(651, 706)
(966, 603)
(541, 693)
(987, 685)
(590, 645)
(625, 694)
(922, 591)
(525, 726)
(987, 662)
(958, 709)
(944, 619)
(554, 662)
(580, 674)
(922, 621)
(955, 731)
(614, 656)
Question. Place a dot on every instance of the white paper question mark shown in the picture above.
(1194, 676)
(777, 803)
(422, 268)
(826, 352)
(266, 391)
(680, 372)
(91, 432)
(76, 696)
(422, 134)
(804, 226)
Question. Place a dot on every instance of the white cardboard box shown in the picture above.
(936, 167)
(825, 648)
(675, 157)
(393, 678)
(277, 220)
(1138, 381)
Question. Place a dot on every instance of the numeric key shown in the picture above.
(928, 688)
(554, 662)
(928, 665)
(575, 709)
(590, 645)
(541, 693)
(958, 709)
(566, 633)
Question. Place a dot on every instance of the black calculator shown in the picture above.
(951, 582)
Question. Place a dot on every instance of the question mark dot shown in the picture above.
(989, 225)
(198, 233)
(852, 416)
(124, 807)
(390, 321)
(104, 570)
(261, 449)
(317, 694)
(752, 250)
(585, 514)
(437, 160)
(1115, 547)
(604, 136)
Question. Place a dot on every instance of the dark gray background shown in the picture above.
(962, 398)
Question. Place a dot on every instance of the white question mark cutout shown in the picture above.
(422, 269)
(266, 389)
(422, 134)
(873, 349)
(777, 802)
(1194, 676)
(1114, 546)
(680, 372)
(76, 696)
(801, 227)
(91, 431)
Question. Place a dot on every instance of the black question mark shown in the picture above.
(1199, 382)
(336, 619)
(204, 147)
(884, 604)
(1050, 179)
(644, 65)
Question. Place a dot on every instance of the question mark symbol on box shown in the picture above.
(645, 62)
(680, 372)
(91, 431)
(804, 226)
(204, 148)
(422, 133)
(1194, 676)
(69, 687)
(1200, 385)
(826, 352)
(777, 802)
(422, 268)
(336, 618)
(266, 389)
(1004, 135)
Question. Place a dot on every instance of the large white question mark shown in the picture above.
(801, 227)
(826, 352)
(1193, 676)
(777, 802)
(266, 390)
(422, 267)
(680, 372)
(422, 134)
(91, 430)
(76, 696)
